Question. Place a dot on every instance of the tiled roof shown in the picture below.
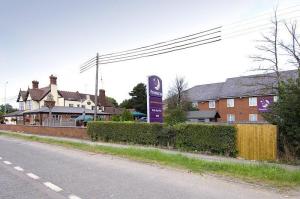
(66, 110)
(201, 114)
(38, 93)
(253, 85)
(72, 96)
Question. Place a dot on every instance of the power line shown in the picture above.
(159, 43)
(216, 40)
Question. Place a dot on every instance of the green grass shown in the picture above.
(262, 173)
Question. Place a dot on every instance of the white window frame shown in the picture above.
(252, 101)
(29, 104)
(230, 118)
(212, 104)
(21, 106)
(195, 104)
(230, 103)
(275, 98)
(253, 117)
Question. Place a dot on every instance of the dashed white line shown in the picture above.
(52, 186)
(18, 168)
(73, 197)
(7, 162)
(33, 176)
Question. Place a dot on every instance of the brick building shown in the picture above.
(238, 99)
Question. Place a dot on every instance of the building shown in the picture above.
(239, 99)
(68, 105)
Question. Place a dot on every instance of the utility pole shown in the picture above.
(5, 97)
(96, 86)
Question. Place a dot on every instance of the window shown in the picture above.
(21, 106)
(275, 98)
(29, 104)
(252, 101)
(83, 106)
(71, 105)
(78, 105)
(230, 118)
(253, 117)
(195, 104)
(212, 104)
(230, 102)
(93, 107)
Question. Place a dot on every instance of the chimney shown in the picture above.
(102, 98)
(53, 80)
(35, 84)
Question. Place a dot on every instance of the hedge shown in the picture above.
(217, 139)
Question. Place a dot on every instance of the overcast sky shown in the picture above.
(39, 38)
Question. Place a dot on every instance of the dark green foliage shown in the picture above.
(127, 132)
(175, 116)
(127, 103)
(139, 98)
(126, 116)
(116, 118)
(218, 139)
(112, 101)
(9, 108)
(286, 114)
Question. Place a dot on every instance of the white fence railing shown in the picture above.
(55, 122)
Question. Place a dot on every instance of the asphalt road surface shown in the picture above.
(34, 170)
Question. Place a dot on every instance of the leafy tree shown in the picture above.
(112, 101)
(139, 98)
(9, 108)
(127, 103)
(175, 116)
(286, 114)
(126, 116)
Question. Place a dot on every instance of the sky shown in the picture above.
(43, 37)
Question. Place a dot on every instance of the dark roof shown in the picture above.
(36, 94)
(72, 96)
(14, 114)
(113, 110)
(252, 85)
(202, 114)
(66, 110)
(204, 92)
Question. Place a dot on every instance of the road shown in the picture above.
(36, 170)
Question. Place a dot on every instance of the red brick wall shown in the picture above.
(241, 109)
(71, 132)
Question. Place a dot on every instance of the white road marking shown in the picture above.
(0, 158)
(19, 168)
(33, 176)
(73, 197)
(7, 162)
(52, 186)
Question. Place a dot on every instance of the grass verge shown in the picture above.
(262, 173)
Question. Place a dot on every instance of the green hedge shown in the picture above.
(218, 139)
(129, 132)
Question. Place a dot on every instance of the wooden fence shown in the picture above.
(257, 141)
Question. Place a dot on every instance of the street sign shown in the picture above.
(154, 99)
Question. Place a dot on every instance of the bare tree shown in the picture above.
(176, 94)
(293, 48)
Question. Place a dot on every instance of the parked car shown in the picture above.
(143, 119)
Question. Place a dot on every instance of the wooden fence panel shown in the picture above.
(257, 141)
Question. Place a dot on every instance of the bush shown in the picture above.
(128, 132)
(126, 116)
(218, 139)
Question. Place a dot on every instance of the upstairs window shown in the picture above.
(71, 105)
(195, 104)
(29, 105)
(230, 103)
(212, 104)
(83, 106)
(252, 101)
(21, 106)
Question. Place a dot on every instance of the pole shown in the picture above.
(5, 97)
(96, 86)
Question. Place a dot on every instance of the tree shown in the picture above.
(9, 108)
(139, 98)
(127, 103)
(285, 112)
(112, 101)
(126, 116)
(177, 102)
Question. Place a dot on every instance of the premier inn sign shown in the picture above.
(154, 99)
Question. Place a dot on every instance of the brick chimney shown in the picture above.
(35, 84)
(53, 80)
(102, 98)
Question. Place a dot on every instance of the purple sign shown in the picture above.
(263, 103)
(154, 99)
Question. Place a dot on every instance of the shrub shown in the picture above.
(126, 116)
(218, 139)
(128, 132)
